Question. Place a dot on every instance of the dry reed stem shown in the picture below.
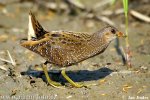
(11, 61)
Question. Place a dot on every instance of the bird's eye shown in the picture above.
(113, 31)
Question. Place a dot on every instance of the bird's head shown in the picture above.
(110, 33)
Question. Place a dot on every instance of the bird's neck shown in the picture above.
(97, 44)
(98, 39)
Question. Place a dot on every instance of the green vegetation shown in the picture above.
(125, 5)
(128, 52)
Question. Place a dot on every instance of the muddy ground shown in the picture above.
(113, 80)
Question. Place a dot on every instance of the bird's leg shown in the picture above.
(52, 83)
(70, 80)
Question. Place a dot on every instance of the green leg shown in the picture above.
(52, 83)
(70, 80)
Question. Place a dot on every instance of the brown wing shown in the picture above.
(63, 48)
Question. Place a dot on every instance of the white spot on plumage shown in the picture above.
(31, 32)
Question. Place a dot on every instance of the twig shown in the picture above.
(77, 3)
(123, 72)
(12, 61)
(9, 61)
(3, 68)
(128, 56)
(140, 16)
(102, 3)
(109, 12)
(105, 19)
(5, 60)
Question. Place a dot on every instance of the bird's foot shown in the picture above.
(72, 82)
(50, 82)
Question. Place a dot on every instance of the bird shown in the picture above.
(65, 48)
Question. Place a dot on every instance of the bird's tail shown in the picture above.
(35, 30)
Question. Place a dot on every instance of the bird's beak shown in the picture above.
(120, 34)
